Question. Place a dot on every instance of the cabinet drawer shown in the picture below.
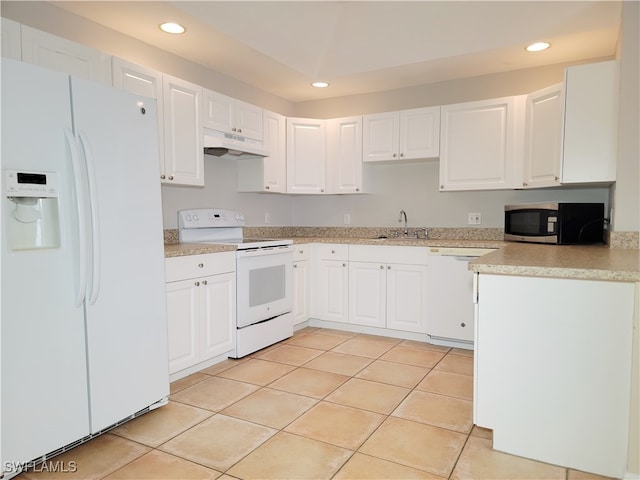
(302, 252)
(332, 251)
(192, 266)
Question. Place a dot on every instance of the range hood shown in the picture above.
(234, 147)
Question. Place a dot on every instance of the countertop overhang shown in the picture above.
(587, 262)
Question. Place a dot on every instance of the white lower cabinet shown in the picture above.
(301, 283)
(552, 373)
(201, 303)
(387, 287)
(331, 282)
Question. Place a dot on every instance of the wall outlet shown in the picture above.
(267, 217)
(347, 219)
(474, 219)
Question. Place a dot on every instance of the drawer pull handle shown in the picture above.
(201, 265)
(463, 324)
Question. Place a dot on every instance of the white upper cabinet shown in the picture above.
(404, 135)
(226, 114)
(479, 144)
(268, 174)
(306, 155)
(344, 155)
(179, 124)
(60, 54)
(11, 41)
(543, 138)
(184, 154)
(591, 123)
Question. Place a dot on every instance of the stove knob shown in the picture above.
(196, 218)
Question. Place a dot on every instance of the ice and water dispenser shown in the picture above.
(33, 221)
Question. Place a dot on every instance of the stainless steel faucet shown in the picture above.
(403, 213)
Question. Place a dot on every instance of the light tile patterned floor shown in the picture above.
(322, 404)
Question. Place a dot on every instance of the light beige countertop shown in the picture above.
(183, 249)
(592, 262)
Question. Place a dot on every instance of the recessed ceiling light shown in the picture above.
(538, 46)
(320, 84)
(171, 27)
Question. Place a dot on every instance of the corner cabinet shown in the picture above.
(201, 303)
(268, 174)
(306, 156)
(405, 135)
(480, 142)
(179, 125)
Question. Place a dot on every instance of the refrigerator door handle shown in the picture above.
(81, 203)
(95, 225)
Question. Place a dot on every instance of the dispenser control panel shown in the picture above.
(22, 183)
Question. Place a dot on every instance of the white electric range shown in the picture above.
(264, 276)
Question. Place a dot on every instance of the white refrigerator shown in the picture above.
(83, 327)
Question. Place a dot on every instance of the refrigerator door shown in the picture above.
(43, 372)
(126, 309)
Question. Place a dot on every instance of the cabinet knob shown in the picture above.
(239, 130)
(201, 265)
(170, 177)
(266, 187)
(463, 324)
(197, 284)
(300, 251)
(322, 190)
(402, 154)
(524, 184)
(381, 267)
(441, 187)
(204, 282)
(234, 129)
(333, 251)
(357, 189)
(344, 264)
(556, 178)
(394, 155)
(295, 265)
(163, 177)
(388, 267)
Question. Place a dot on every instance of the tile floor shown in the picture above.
(322, 404)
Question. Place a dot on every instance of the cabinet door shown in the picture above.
(367, 294)
(11, 42)
(142, 81)
(306, 156)
(183, 314)
(301, 291)
(344, 155)
(591, 123)
(420, 133)
(56, 53)
(218, 315)
(478, 144)
(275, 165)
(184, 158)
(332, 287)
(217, 111)
(543, 137)
(406, 297)
(248, 120)
(450, 298)
(381, 137)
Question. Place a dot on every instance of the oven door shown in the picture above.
(264, 284)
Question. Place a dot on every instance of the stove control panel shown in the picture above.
(209, 218)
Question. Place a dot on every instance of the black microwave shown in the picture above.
(557, 223)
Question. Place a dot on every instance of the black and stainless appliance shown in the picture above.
(264, 276)
(555, 223)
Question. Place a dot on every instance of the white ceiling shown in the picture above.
(364, 46)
